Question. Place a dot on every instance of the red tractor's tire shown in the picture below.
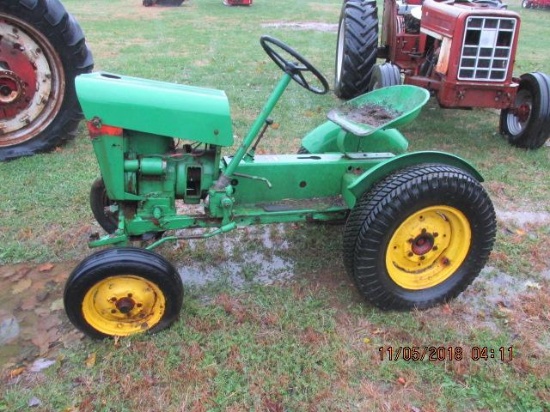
(527, 124)
(384, 75)
(48, 52)
(356, 48)
(419, 237)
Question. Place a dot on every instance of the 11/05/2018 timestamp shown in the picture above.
(445, 353)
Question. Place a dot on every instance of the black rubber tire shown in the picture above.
(147, 3)
(99, 201)
(114, 262)
(356, 48)
(384, 75)
(526, 4)
(387, 205)
(58, 34)
(169, 2)
(534, 92)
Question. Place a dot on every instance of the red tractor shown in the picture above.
(535, 4)
(462, 51)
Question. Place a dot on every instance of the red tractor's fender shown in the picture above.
(354, 186)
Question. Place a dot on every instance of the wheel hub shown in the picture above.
(12, 88)
(125, 305)
(423, 243)
(523, 112)
(428, 247)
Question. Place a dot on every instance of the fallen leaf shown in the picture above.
(46, 267)
(366, 340)
(447, 309)
(401, 380)
(90, 360)
(42, 296)
(57, 305)
(22, 285)
(28, 303)
(34, 402)
(44, 339)
(532, 285)
(40, 364)
(49, 322)
(17, 372)
(18, 274)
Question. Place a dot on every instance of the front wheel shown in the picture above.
(122, 292)
(419, 237)
(527, 123)
(384, 75)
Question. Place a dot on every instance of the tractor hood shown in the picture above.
(161, 108)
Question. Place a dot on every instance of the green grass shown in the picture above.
(311, 344)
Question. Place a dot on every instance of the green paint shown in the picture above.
(146, 167)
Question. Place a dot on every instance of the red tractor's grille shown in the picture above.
(487, 48)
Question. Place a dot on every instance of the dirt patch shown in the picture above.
(523, 218)
(314, 26)
(32, 319)
(372, 114)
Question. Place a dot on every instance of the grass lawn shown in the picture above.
(311, 342)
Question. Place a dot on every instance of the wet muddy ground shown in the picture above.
(33, 324)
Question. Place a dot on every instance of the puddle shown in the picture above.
(490, 292)
(522, 218)
(315, 26)
(240, 258)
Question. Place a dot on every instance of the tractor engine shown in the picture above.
(155, 142)
(160, 170)
(464, 51)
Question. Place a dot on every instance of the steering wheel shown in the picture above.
(294, 70)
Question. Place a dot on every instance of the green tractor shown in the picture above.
(419, 226)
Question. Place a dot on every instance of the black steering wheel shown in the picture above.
(294, 70)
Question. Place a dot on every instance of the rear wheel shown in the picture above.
(100, 204)
(123, 291)
(356, 48)
(384, 75)
(527, 123)
(42, 50)
(419, 237)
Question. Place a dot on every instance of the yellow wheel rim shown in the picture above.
(428, 247)
(123, 305)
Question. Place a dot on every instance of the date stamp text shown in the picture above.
(445, 353)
